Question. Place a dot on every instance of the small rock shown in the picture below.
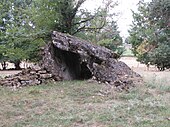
(46, 76)
(32, 72)
(36, 68)
(24, 77)
(42, 72)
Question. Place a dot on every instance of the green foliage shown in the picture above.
(110, 44)
(17, 31)
(107, 43)
(161, 56)
(109, 37)
(151, 24)
(24, 29)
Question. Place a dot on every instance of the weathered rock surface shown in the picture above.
(68, 58)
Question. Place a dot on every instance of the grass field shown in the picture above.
(88, 104)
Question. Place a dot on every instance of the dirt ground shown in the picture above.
(130, 61)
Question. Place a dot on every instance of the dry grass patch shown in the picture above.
(87, 104)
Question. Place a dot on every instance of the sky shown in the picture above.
(124, 9)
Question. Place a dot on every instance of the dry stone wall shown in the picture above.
(27, 77)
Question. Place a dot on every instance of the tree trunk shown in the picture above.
(4, 65)
(17, 65)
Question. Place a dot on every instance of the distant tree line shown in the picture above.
(26, 25)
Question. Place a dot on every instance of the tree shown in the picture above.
(15, 31)
(160, 56)
(149, 33)
(3, 17)
(26, 25)
(110, 38)
(103, 30)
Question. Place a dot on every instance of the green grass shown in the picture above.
(83, 104)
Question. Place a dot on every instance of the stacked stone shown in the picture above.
(27, 77)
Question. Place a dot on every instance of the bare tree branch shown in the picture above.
(83, 21)
(89, 28)
(79, 3)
